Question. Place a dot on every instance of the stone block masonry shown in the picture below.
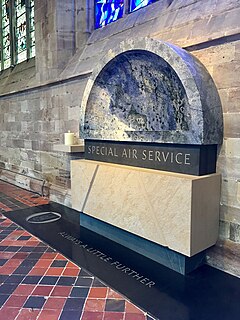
(32, 122)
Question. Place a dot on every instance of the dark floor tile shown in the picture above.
(70, 315)
(84, 273)
(58, 263)
(84, 282)
(50, 250)
(20, 255)
(35, 255)
(74, 304)
(42, 244)
(31, 279)
(23, 270)
(34, 302)
(12, 249)
(39, 249)
(7, 288)
(6, 231)
(66, 281)
(15, 279)
(26, 249)
(12, 227)
(98, 283)
(51, 280)
(24, 238)
(79, 292)
(3, 278)
(115, 305)
(3, 298)
(29, 262)
(3, 261)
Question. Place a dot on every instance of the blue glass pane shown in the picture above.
(137, 4)
(107, 11)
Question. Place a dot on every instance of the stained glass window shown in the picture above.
(21, 30)
(137, 4)
(16, 32)
(107, 11)
(31, 29)
(6, 36)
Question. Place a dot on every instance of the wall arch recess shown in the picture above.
(151, 91)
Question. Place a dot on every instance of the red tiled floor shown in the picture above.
(37, 272)
(24, 289)
(43, 263)
(48, 300)
(133, 316)
(130, 308)
(16, 301)
(70, 264)
(13, 263)
(33, 243)
(98, 293)
(28, 314)
(20, 255)
(61, 291)
(70, 272)
(49, 256)
(113, 294)
(6, 255)
(54, 271)
(55, 303)
(9, 313)
(50, 314)
(95, 305)
(113, 316)
(87, 315)
(42, 290)
(7, 270)
(59, 256)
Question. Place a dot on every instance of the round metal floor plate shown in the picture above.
(43, 217)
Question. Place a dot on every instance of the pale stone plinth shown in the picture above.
(178, 211)
(68, 148)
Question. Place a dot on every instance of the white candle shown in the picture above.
(69, 138)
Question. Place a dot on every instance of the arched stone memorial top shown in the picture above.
(151, 91)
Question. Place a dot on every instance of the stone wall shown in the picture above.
(41, 99)
(31, 123)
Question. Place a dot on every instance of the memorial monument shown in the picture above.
(152, 125)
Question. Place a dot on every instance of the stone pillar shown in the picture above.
(84, 21)
(56, 25)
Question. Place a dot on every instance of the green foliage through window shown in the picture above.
(17, 36)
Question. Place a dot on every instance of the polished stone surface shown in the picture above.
(204, 294)
(162, 255)
(174, 210)
(152, 91)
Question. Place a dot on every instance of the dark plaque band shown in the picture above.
(188, 159)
